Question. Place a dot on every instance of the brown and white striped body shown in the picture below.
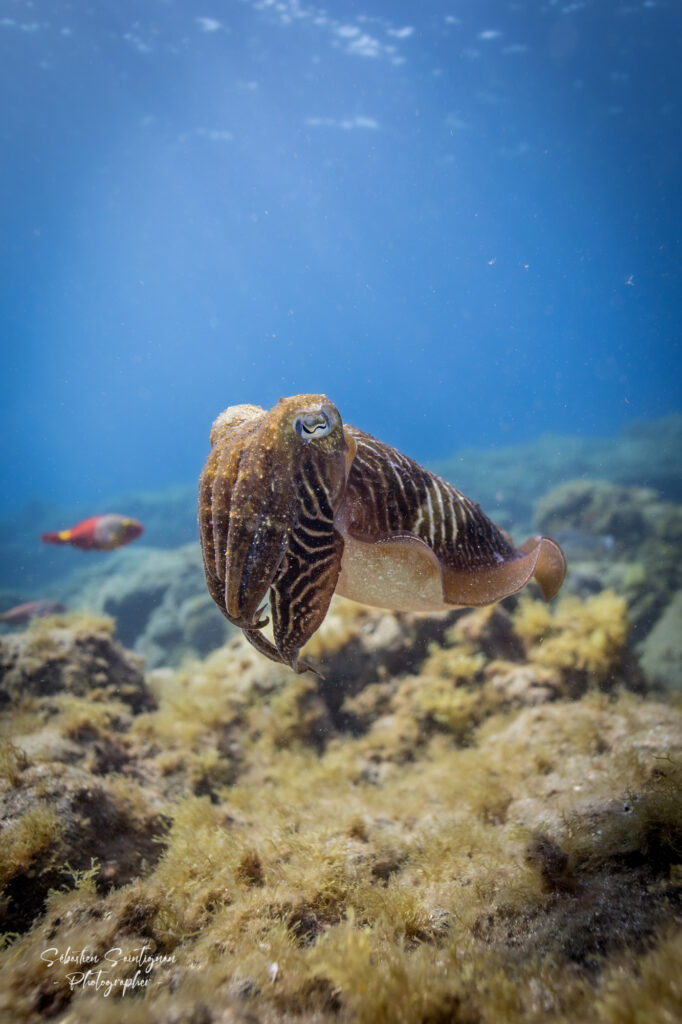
(295, 506)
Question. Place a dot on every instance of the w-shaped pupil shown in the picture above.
(313, 424)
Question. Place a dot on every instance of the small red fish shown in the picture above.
(101, 533)
(23, 613)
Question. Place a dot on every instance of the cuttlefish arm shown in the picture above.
(300, 593)
(415, 543)
(223, 520)
(306, 579)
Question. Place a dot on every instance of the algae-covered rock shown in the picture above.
(599, 509)
(584, 642)
(69, 694)
(70, 654)
(358, 646)
(631, 540)
(661, 651)
(57, 820)
(482, 824)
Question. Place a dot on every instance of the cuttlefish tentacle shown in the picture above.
(296, 506)
(262, 644)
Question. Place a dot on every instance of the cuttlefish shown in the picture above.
(295, 505)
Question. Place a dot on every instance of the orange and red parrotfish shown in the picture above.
(100, 533)
(23, 613)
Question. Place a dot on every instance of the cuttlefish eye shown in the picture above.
(312, 424)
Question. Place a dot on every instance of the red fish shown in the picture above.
(22, 613)
(101, 533)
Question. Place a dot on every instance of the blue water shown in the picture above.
(461, 221)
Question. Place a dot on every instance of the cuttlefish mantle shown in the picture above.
(295, 505)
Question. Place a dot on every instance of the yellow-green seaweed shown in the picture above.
(491, 835)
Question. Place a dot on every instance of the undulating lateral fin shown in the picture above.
(541, 558)
(550, 568)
